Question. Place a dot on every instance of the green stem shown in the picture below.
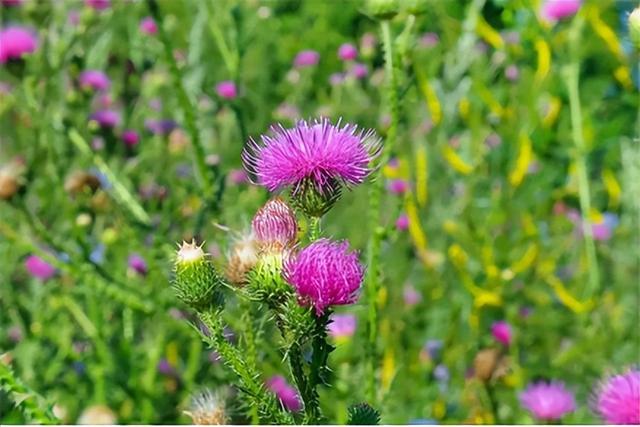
(572, 75)
(372, 281)
(314, 228)
(493, 405)
(264, 401)
(190, 114)
(30, 404)
(307, 392)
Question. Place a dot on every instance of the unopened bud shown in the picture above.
(275, 226)
(243, 258)
(196, 282)
(314, 201)
(382, 9)
(207, 408)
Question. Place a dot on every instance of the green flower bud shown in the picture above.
(265, 280)
(314, 201)
(634, 27)
(382, 9)
(196, 281)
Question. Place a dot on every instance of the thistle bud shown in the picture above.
(634, 27)
(196, 282)
(314, 201)
(243, 258)
(207, 408)
(275, 226)
(485, 363)
(382, 9)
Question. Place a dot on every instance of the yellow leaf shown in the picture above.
(489, 34)
(527, 259)
(552, 112)
(422, 175)
(455, 161)
(388, 368)
(544, 60)
(415, 229)
(522, 162)
(604, 31)
(613, 188)
(458, 256)
(431, 98)
(566, 298)
(463, 107)
(623, 75)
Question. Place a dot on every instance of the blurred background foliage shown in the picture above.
(488, 154)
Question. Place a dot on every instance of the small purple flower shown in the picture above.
(138, 264)
(502, 333)
(429, 40)
(493, 140)
(165, 368)
(617, 399)
(238, 176)
(106, 118)
(342, 326)
(347, 52)
(548, 401)
(512, 73)
(131, 138)
(554, 10)
(160, 127)
(227, 89)
(287, 394)
(11, 3)
(324, 274)
(411, 296)
(441, 373)
(98, 4)
(359, 71)
(274, 225)
(336, 79)
(431, 350)
(320, 152)
(15, 42)
(39, 268)
(306, 58)
(95, 80)
(148, 26)
(97, 254)
(73, 18)
(603, 230)
(402, 223)
(398, 186)
(368, 44)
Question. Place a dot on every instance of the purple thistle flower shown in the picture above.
(316, 156)
(342, 326)
(347, 52)
(130, 138)
(398, 186)
(402, 223)
(548, 401)
(15, 42)
(165, 368)
(617, 399)
(306, 58)
(324, 274)
(137, 264)
(160, 127)
(554, 10)
(98, 4)
(359, 71)
(336, 79)
(411, 296)
(227, 89)
(148, 26)
(502, 333)
(95, 80)
(512, 73)
(39, 268)
(287, 394)
(429, 40)
(275, 226)
(106, 118)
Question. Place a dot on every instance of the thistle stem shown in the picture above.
(29, 403)
(307, 392)
(571, 76)
(314, 228)
(372, 281)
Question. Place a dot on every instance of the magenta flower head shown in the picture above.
(11, 3)
(288, 395)
(502, 333)
(95, 80)
(106, 118)
(274, 226)
(548, 401)
(314, 159)
(15, 42)
(402, 223)
(98, 4)
(359, 71)
(342, 326)
(553, 10)
(347, 52)
(306, 58)
(398, 186)
(131, 138)
(39, 268)
(137, 264)
(148, 26)
(325, 274)
(227, 89)
(617, 399)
